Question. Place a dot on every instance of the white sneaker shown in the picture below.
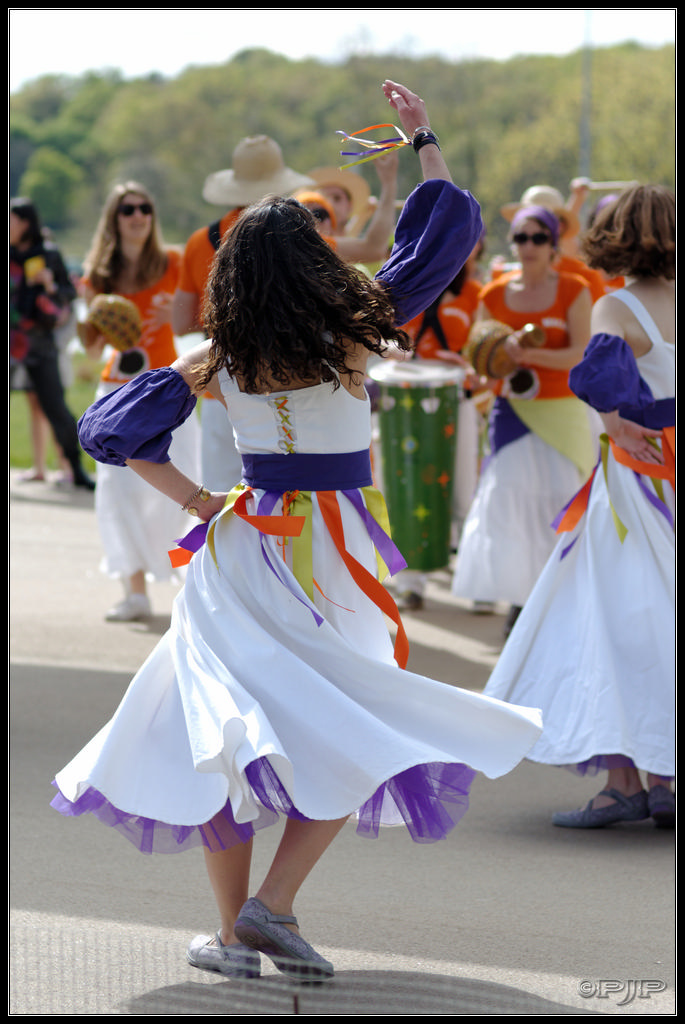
(135, 606)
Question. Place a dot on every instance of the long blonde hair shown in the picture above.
(104, 262)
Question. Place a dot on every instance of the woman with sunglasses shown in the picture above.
(138, 526)
(276, 692)
(595, 644)
(540, 434)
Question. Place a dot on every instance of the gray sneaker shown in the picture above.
(234, 961)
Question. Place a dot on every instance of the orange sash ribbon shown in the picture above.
(274, 526)
(374, 590)
(651, 469)
(291, 526)
(576, 508)
(179, 557)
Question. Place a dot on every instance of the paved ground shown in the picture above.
(508, 916)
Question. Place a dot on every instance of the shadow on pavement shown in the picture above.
(357, 993)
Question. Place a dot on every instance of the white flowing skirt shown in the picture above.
(137, 524)
(594, 646)
(259, 702)
(507, 536)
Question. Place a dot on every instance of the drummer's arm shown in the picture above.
(578, 329)
(473, 383)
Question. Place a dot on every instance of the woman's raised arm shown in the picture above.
(414, 117)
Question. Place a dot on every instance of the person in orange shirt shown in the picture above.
(350, 196)
(542, 444)
(258, 170)
(322, 211)
(128, 257)
(372, 246)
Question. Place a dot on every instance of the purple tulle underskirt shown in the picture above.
(603, 763)
(422, 794)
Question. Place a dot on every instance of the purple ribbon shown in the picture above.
(384, 544)
(654, 500)
(194, 540)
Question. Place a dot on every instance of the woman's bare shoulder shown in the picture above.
(189, 363)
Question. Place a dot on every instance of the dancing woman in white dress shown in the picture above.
(277, 690)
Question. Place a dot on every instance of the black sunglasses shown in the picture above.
(539, 238)
(128, 209)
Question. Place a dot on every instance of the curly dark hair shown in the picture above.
(282, 305)
(634, 236)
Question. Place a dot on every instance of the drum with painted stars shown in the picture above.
(417, 408)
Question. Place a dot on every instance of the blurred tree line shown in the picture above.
(503, 126)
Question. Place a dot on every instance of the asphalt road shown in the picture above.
(509, 916)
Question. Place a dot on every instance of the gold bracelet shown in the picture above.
(203, 494)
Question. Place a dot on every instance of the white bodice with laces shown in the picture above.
(319, 419)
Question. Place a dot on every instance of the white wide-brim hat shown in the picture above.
(258, 170)
(551, 199)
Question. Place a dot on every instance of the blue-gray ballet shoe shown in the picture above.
(662, 806)
(624, 808)
(258, 928)
(233, 961)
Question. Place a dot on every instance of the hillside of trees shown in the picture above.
(503, 126)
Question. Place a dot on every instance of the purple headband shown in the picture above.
(542, 214)
(605, 201)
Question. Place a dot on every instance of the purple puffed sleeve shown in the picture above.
(436, 232)
(136, 421)
(608, 378)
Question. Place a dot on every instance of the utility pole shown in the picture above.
(585, 154)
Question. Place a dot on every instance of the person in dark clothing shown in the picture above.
(40, 291)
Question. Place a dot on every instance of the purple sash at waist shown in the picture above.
(303, 471)
(505, 426)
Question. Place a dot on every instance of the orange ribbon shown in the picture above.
(577, 506)
(291, 526)
(369, 584)
(275, 526)
(651, 469)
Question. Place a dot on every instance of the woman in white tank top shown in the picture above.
(595, 647)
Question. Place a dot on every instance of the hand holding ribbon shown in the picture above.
(376, 148)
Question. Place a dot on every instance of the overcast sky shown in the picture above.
(138, 41)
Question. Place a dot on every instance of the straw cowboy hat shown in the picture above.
(115, 317)
(258, 170)
(353, 183)
(551, 199)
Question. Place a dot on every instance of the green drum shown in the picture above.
(417, 417)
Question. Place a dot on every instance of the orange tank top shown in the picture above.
(553, 383)
(156, 342)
